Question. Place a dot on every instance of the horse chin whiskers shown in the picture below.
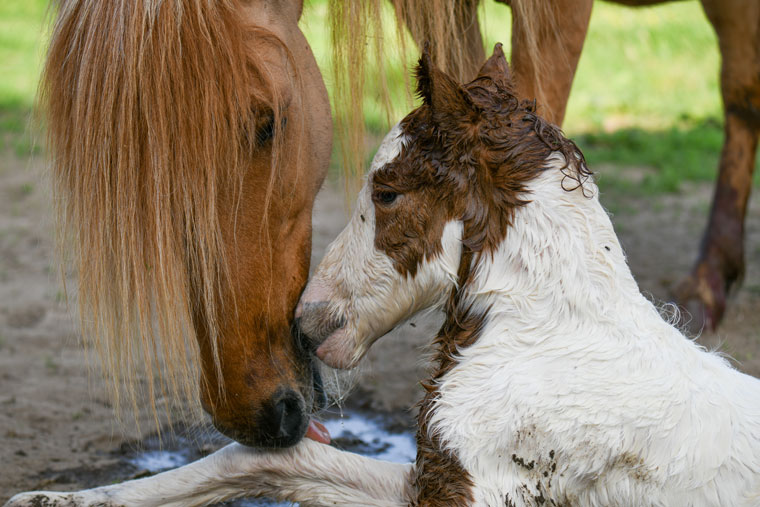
(338, 384)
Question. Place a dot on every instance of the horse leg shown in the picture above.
(720, 264)
(547, 39)
(430, 21)
(310, 473)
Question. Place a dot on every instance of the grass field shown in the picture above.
(645, 95)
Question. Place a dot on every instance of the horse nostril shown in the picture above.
(288, 412)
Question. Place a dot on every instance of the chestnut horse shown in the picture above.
(189, 139)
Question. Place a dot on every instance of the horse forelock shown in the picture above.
(150, 114)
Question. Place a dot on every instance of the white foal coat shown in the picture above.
(310, 473)
(577, 391)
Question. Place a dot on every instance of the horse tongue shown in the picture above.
(318, 432)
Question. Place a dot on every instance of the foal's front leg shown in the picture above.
(310, 473)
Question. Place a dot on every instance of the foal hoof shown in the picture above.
(52, 499)
(703, 295)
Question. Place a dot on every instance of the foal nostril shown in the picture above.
(288, 411)
(317, 322)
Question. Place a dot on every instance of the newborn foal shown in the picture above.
(557, 382)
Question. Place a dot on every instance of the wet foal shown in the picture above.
(557, 381)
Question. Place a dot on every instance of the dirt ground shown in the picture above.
(56, 426)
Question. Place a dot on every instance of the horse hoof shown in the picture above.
(702, 295)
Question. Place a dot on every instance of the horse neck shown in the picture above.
(560, 267)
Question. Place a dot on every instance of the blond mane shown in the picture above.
(359, 48)
(144, 100)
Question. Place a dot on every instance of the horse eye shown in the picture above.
(265, 131)
(386, 197)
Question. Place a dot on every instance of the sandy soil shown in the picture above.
(56, 426)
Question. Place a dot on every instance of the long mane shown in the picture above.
(144, 100)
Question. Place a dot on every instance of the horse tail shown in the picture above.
(144, 100)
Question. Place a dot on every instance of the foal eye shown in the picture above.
(386, 196)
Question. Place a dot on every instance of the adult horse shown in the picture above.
(189, 139)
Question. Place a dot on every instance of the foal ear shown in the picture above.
(496, 68)
(447, 99)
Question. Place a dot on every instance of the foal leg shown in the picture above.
(721, 257)
(310, 473)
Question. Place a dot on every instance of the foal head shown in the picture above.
(441, 190)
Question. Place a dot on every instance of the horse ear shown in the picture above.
(447, 99)
(496, 68)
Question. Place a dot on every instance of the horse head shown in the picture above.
(190, 139)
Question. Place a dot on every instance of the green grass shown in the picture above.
(645, 94)
(646, 67)
(21, 49)
(645, 161)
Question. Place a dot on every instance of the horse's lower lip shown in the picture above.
(335, 350)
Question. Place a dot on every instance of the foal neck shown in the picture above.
(559, 268)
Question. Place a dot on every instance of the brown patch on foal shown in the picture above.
(469, 154)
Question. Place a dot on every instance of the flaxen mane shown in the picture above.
(143, 123)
